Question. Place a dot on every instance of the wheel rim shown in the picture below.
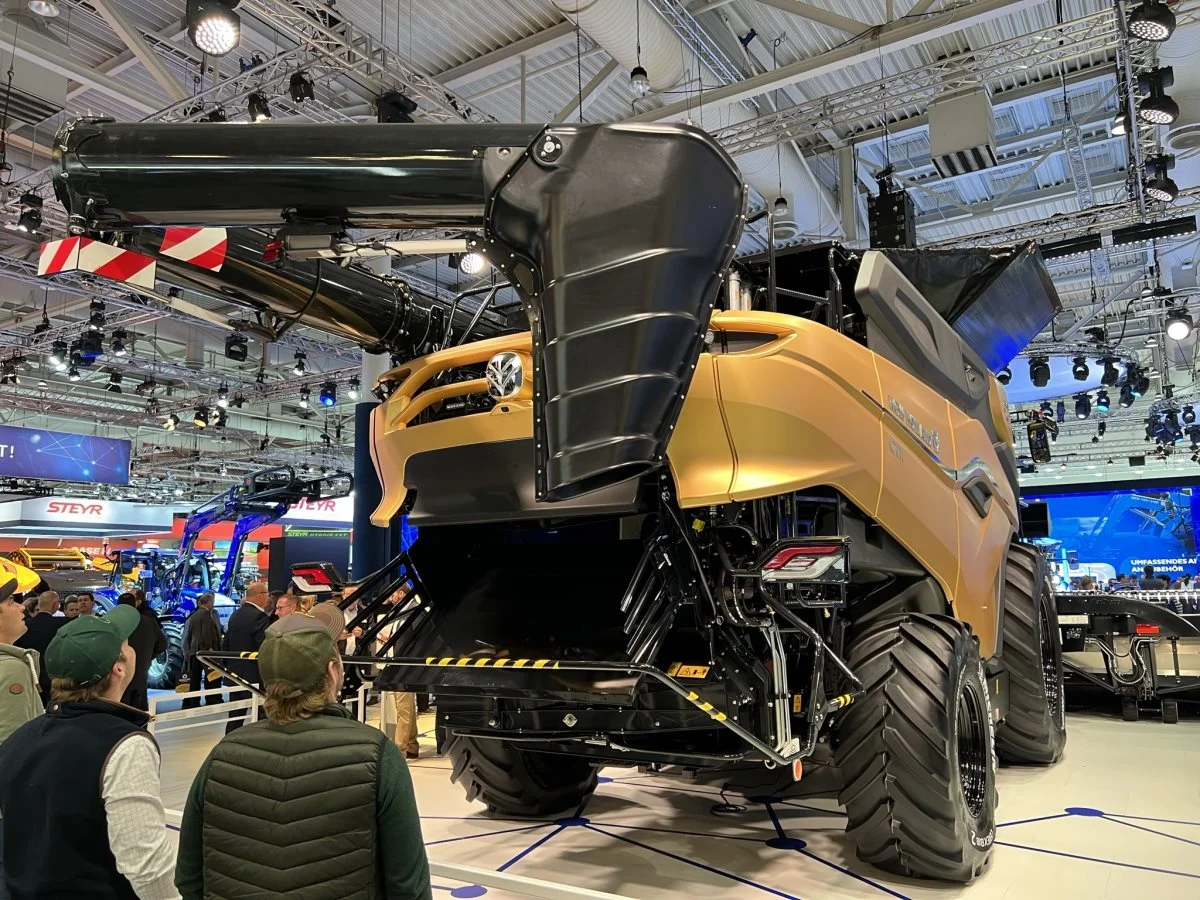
(973, 750)
(1051, 676)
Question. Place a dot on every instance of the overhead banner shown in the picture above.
(331, 513)
(60, 456)
(83, 516)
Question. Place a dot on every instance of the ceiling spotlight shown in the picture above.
(221, 420)
(47, 9)
(260, 378)
(1159, 185)
(96, 315)
(780, 206)
(1189, 415)
(1152, 21)
(471, 263)
(43, 326)
(1004, 376)
(1157, 108)
(1101, 428)
(178, 492)
(57, 356)
(171, 422)
(300, 367)
(114, 383)
(200, 418)
(238, 401)
(354, 388)
(223, 396)
(213, 26)
(152, 406)
(8, 373)
(258, 107)
(118, 348)
(73, 374)
(1102, 402)
(1060, 411)
(30, 219)
(639, 80)
(328, 395)
(1179, 323)
(394, 107)
(1120, 124)
(237, 347)
(1046, 408)
(1039, 371)
(1079, 369)
(1142, 386)
(304, 398)
(1111, 376)
(300, 87)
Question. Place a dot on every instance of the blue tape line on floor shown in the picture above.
(775, 821)
(524, 853)
(1149, 819)
(692, 862)
(1106, 862)
(469, 837)
(1173, 837)
(854, 875)
(1062, 815)
(707, 834)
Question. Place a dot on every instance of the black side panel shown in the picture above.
(620, 234)
(494, 482)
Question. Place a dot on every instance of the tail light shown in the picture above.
(1146, 628)
(821, 560)
(273, 251)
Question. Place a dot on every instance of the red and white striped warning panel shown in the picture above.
(203, 247)
(80, 254)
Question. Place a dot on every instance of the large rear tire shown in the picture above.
(1035, 731)
(518, 782)
(167, 668)
(916, 750)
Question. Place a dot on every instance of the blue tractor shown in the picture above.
(173, 580)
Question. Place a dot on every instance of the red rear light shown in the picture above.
(1145, 628)
(273, 251)
(313, 575)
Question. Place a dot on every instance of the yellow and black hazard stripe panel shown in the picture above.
(489, 662)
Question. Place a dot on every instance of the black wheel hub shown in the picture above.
(973, 750)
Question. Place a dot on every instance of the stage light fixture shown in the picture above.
(1189, 415)
(354, 388)
(780, 206)
(1076, 246)
(217, 114)
(73, 374)
(1179, 323)
(328, 395)
(1142, 387)
(1102, 402)
(1060, 412)
(394, 107)
(300, 367)
(221, 419)
(639, 81)
(1101, 428)
(1004, 376)
(1079, 369)
(117, 347)
(1045, 408)
(1152, 21)
(171, 422)
(1157, 108)
(1159, 185)
(304, 398)
(96, 317)
(1120, 124)
(1126, 398)
(300, 88)
(200, 417)
(238, 401)
(30, 219)
(471, 263)
(237, 347)
(1039, 371)
(114, 383)
(223, 396)
(258, 106)
(47, 9)
(58, 354)
(213, 27)
(1111, 375)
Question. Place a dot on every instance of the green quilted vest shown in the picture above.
(290, 811)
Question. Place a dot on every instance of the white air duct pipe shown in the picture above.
(613, 24)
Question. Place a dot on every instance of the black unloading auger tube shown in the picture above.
(615, 236)
(377, 314)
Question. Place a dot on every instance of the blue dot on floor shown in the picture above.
(471, 890)
(1083, 811)
(786, 843)
(573, 820)
(604, 779)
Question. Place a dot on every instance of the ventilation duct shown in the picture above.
(613, 24)
(962, 133)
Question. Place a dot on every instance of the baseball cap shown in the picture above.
(85, 649)
(323, 615)
(297, 651)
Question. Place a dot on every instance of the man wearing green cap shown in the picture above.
(308, 803)
(86, 768)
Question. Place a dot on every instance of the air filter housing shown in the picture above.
(962, 133)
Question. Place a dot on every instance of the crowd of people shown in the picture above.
(1149, 580)
(305, 802)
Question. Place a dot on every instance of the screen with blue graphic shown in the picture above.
(1103, 534)
(59, 456)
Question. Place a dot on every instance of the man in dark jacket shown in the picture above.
(42, 628)
(201, 631)
(309, 803)
(244, 634)
(147, 641)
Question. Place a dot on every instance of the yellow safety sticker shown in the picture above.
(679, 670)
(797, 703)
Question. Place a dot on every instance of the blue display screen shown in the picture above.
(59, 456)
(1107, 533)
